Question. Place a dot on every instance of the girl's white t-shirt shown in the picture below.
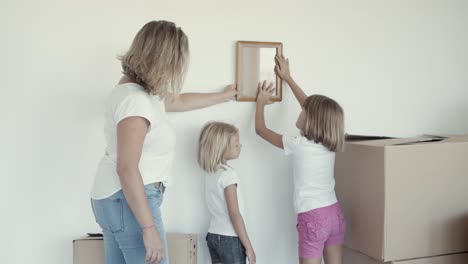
(215, 183)
(127, 100)
(313, 169)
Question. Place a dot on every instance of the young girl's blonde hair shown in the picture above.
(324, 122)
(157, 58)
(215, 139)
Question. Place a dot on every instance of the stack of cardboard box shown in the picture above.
(405, 200)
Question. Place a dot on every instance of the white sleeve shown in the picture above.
(229, 177)
(134, 105)
(290, 143)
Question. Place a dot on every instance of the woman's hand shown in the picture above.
(251, 255)
(230, 91)
(264, 93)
(154, 245)
(282, 68)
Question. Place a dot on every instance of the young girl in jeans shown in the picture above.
(227, 237)
(320, 222)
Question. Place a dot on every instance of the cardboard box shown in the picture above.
(182, 249)
(404, 198)
(89, 250)
(354, 257)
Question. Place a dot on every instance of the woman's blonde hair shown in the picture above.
(324, 122)
(215, 139)
(157, 58)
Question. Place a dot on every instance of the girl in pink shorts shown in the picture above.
(320, 222)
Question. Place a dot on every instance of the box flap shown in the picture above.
(394, 141)
(463, 138)
(88, 238)
(182, 235)
(351, 138)
(380, 141)
(420, 140)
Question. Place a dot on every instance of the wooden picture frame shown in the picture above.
(253, 66)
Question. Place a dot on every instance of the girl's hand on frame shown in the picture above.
(282, 68)
(264, 93)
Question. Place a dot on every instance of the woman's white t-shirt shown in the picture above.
(127, 100)
(313, 169)
(215, 183)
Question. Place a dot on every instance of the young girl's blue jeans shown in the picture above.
(225, 249)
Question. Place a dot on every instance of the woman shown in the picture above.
(132, 176)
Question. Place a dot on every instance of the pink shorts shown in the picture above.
(319, 228)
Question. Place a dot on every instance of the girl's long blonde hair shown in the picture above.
(157, 58)
(215, 139)
(324, 122)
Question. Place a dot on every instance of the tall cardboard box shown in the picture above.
(404, 198)
(182, 249)
(353, 257)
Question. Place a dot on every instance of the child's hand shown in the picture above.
(282, 67)
(264, 93)
(251, 256)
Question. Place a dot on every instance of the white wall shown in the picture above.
(397, 67)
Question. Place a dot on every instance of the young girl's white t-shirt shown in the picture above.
(127, 100)
(313, 169)
(215, 183)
